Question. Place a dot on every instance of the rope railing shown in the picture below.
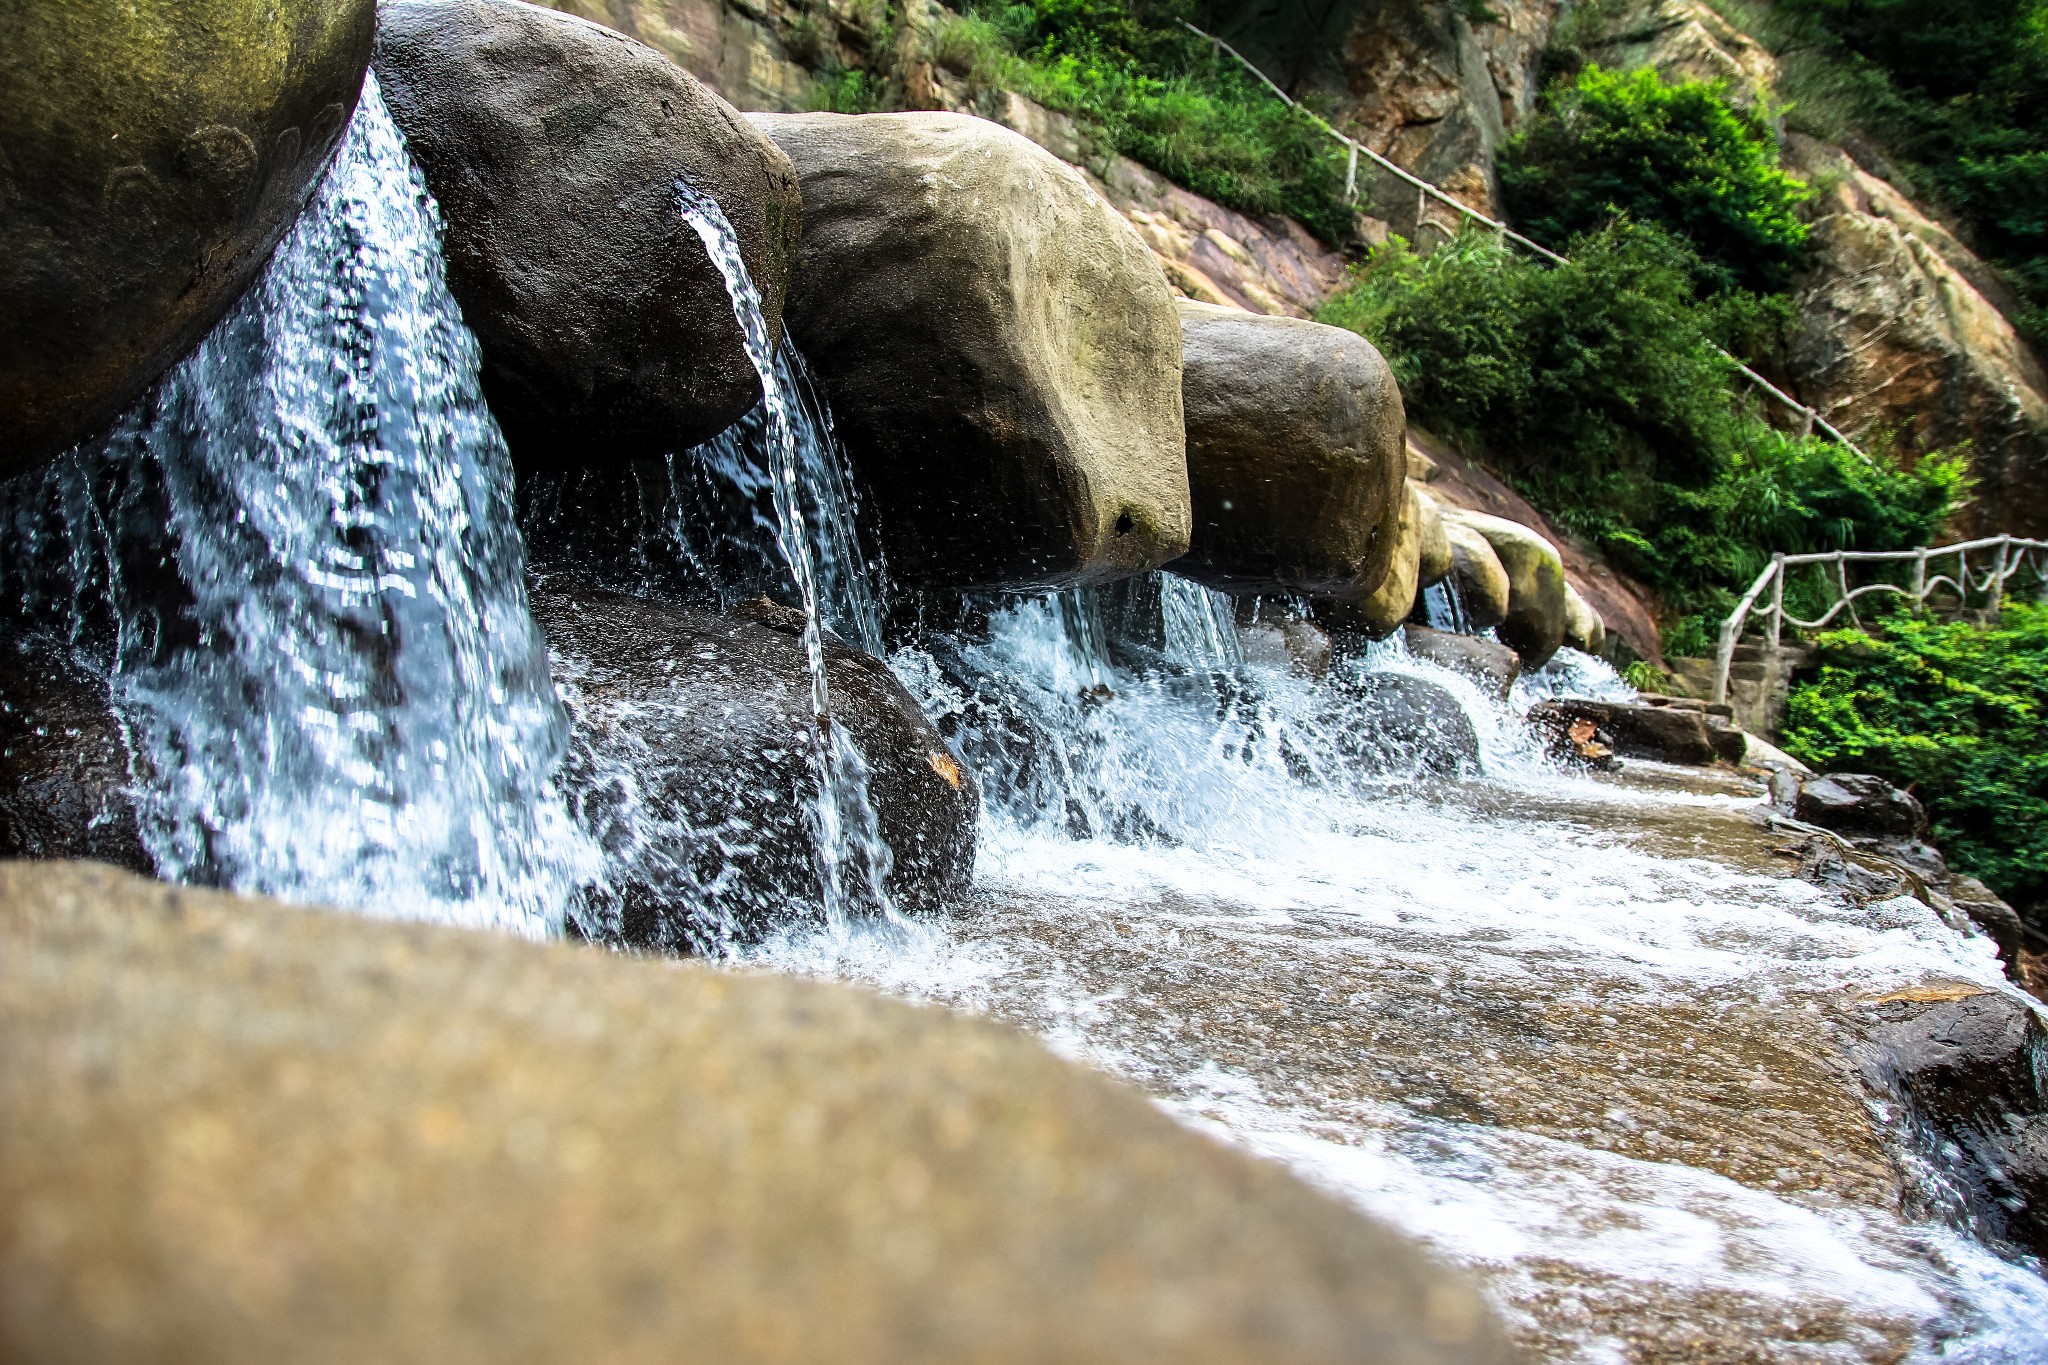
(1809, 417)
(2002, 557)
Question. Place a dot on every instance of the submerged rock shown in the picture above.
(1000, 352)
(1858, 803)
(1476, 572)
(1534, 623)
(1295, 454)
(239, 1132)
(154, 154)
(1966, 1060)
(691, 766)
(553, 147)
(1487, 662)
(64, 761)
(1399, 725)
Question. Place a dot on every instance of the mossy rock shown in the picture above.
(152, 153)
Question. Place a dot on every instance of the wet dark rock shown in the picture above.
(553, 147)
(151, 155)
(1858, 803)
(1295, 454)
(999, 349)
(1659, 733)
(1487, 662)
(245, 1133)
(1379, 612)
(1990, 913)
(64, 761)
(691, 764)
(1395, 724)
(1970, 1065)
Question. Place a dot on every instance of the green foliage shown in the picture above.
(1597, 389)
(850, 92)
(1612, 144)
(1151, 90)
(1959, 714)
(1954, 92)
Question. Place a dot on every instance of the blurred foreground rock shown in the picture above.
(246, 1134)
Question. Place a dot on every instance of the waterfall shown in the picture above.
(298, 562)
(849, 841)
(1198, 624)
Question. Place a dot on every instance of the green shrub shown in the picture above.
(1145, 87)
(1596, 388)
(1613, 144)
(1957, 713)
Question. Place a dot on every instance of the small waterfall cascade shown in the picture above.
(1198, 624)
(851, 850)
(298, 565)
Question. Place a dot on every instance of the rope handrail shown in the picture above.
(1809, 415)
(2011, 554)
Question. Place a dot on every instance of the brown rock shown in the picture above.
(1380, 612)
(232, 1131)
(691, 766)
(1535, 623)
(1000, 352)
(1664, 734)
(154, 154)
(553, 147)
(1295, 457)
(1493, 666)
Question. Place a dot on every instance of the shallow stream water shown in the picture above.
(1584, 1035)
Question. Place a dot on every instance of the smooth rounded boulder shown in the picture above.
(1535, 621)
(1434, 559)
(244, 1133)
(554, 148)
(1000, 351)
(1476, 574)
(1295, 454)
(151, 155)
(1583, 629)
(691, 765)
(1380, 611)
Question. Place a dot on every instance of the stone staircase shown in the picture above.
(1757, 686)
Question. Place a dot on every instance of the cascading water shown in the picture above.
(849, 839)
(1565, 1029)
(297, 562)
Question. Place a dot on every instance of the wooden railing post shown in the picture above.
(1920, 580)
(1998, 573)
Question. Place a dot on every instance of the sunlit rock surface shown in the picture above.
(1000, 352)
(233, 1131)
(1295, 456)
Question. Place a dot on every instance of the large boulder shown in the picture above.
(238, 1132)
(1000, 351)
(691, 766)
(1535, 620)
(151, 155)
(1396, 725)
(553, 147)
(1295, 454)
(1666, 734)
(65, 763)
(1476, 575)
(1379, 611)
(1861, 804)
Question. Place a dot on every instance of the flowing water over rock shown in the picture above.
(1585, 1036)
(298, 562)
